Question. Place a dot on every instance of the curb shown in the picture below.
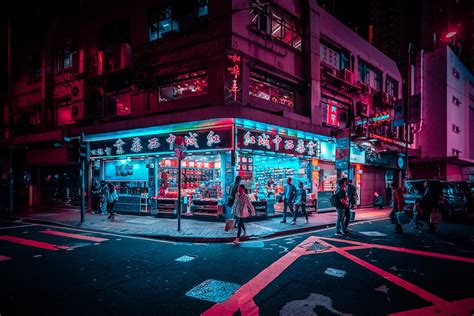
(183, 238)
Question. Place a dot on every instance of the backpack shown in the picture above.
(332, 199)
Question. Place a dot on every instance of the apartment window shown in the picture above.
(202, 8)
(456, 129)
(64, 59)
(184, 85)
(456, 101)
(34, 67)
(370, 76)
(162, 22)
(391, 87)
(338, 59)
(273, 21)
(271, 89)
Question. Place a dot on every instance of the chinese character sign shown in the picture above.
(257, 140)
(217, 139)
(332, 116)
(233, 79)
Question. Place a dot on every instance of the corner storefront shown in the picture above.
(143, 168)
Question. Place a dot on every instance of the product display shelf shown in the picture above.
(209, 207)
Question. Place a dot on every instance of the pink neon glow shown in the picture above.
(76, 236)
(4, 258)
(31, 243)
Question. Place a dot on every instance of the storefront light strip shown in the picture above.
(164, 153)
(249, 124)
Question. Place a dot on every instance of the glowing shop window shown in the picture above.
(189, 84)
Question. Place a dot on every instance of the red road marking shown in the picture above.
(76, 236)
(457, 308)
(388, 276)
(405, 250)
(243, 297)
(3, 258)
(31, 243)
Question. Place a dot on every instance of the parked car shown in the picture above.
(452, 202)
(467, 187)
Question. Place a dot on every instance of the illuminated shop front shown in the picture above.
(142, 166)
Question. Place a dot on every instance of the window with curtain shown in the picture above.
(370, 76)
(391, 87)
(184, 85)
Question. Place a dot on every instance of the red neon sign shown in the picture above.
(332, 118)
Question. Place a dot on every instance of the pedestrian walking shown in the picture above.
(289, 195)
(103, 203)
(300, 202)
(341, 203)
(232, 193)
(430, 202)
(398, 206)
(241, 210)
(95, 201)
(417, 214)
(111, 197)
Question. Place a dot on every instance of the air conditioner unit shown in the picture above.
(121, 57)
(73, 91)
(77, 90)
(330, 71)
(362, 109)
(348, 76)
(78, 111)
(78, 62)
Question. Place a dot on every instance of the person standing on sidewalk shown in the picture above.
(398, 206)
(103, 203)
(95, 188)
(300, 201)
(342, 203)
(232, 193)
(241, 209)
(289, 195)
(352, 194)
(111, 197)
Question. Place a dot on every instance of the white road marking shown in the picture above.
(19, 226)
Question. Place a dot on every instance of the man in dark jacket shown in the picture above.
(289, 195)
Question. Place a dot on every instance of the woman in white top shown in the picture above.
(241, 209)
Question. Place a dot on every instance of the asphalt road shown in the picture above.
(46, 270)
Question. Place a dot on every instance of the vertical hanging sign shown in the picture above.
(233, 77)
(343, 149)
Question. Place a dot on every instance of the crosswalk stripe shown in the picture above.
(3, 258)
(76, 236)
(32, 243)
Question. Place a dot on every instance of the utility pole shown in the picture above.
(407, 123)
(83, 157)
(11, 179)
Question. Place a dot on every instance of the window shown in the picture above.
(202, 8)
(34, 67)
(370, 76)
(274, 22)
(391, 87)
(333, 57)
(162, 22)
(456, 101)
(184, 85)
(270, 89)
(456, 129)
(64, 59)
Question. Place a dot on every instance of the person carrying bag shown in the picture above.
(241, 209)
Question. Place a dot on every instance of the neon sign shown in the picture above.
(215, 139)
(378, 119)
(234, 77)
(332, 117)
(267, 141)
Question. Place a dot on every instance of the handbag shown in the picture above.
(436, 218)
(229, 224)
(230, 201)
(402, 218)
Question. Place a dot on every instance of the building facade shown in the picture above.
(447, 103)
(257, 89)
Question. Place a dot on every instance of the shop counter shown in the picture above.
(208, 207)
(128, 204)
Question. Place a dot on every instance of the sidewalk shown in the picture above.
(191, 230)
